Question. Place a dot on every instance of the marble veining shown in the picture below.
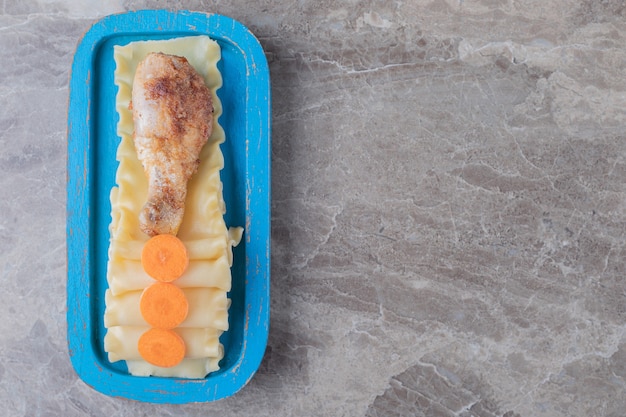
(448, 209)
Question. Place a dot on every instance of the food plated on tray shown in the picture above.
(168, 241)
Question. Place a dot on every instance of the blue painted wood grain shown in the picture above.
(91, 166)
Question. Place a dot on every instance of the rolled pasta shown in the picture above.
(128, 275)
(209, 248)
(121, 342)
(203, 231)
(208, 307)
(188, 368)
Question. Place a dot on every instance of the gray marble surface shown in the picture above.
(449, 212)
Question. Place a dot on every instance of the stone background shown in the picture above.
(448, 208)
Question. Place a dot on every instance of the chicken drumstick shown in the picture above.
(173, 116)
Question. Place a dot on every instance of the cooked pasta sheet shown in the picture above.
(208, 240)
(200, 342)
(189, 368)
(208, 307)
(128, 275)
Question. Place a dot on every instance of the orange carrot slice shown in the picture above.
(161, 347)
(163, 305)
(164, 257)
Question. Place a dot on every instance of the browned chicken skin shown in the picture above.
(173, 116)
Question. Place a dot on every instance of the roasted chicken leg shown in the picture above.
(173, 115)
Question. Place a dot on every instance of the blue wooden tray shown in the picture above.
(91, 165)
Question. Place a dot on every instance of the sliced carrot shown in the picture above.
(163, 305)
(161, 347)
(164, 257)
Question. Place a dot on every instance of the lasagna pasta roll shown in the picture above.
(129, 275)
(188, 368)
(121, 342)
(203, 231)
(208, 307)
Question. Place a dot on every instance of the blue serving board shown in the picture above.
(91, 165)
